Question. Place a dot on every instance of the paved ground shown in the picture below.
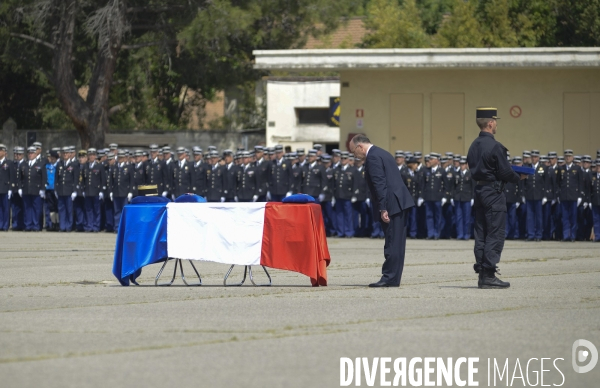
(64, 321)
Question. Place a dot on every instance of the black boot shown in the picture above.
(478, 270)
(488, 280)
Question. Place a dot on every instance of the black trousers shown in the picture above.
(393, 250)
(490, 224)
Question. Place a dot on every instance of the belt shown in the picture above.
(484, 183)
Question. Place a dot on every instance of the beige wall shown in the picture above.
(405, 108)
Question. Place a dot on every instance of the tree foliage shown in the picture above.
(394, 25)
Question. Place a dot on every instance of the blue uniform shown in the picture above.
(434, 189)
(50, 202)
(345, 187)
(536, 188)
(463, 194)
(6, 185)
(33, 181)
(16, 201)
(595, 203)
(94, 183)
(570, 188)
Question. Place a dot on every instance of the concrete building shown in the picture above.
(425, 99)
(298, 111)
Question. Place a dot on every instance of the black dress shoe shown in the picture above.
(381, 283)
(490, 281)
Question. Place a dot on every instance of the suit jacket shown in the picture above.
(386, 187)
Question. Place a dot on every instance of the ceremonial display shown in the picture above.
(286, 236)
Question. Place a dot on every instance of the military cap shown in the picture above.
(526, 154)
(345, 154)
(586, 158)
(91, 151)
(577, 159)
(57, 149)
(166, 150)
(463, 160)
(54, 154)
(2, 147)
(412, 160)
(73, 148)
(543, 158)
(47, 152)
(596, 163)
(240, 149)
(487, 113)
(317, 147)
(408, 154)
(113, 146)
(138, 153)
(127, 152)
(37, 145)
(418, 154)
(449, 154)
(258, 148)
(227, 152)
(271, 150)
(145, 153)
(236, 156)
(598, 154)
(300, 151)
(66, 149)
(326, 158)
(400, 154)
(213, 154)
(456, 158)
(426, 157)
(336, 152)
(31, 149)
(154, 147)
(568, 152)
(552, 154)
(312, 152)
(246, 154)
(121, 153)
(443, 159)
(278, 148)
(101, 152)
(19, 150)
(517, 159)
(197, 151)
(82, 153)
(180, 150)
(561, 158)
(292, 155)
(434, 155)
(212, 148)
(535, 152)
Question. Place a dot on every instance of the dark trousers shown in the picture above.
(361, 218)
(547, 221)
(109, 215)
(557, 217)
(18, 212)
(596, 216)
(119, 203)
(411, 222)
(343, 214)
(569, 219)
(377, 230)
(463, 219)
(394, 248)
(584, 223)
(512, 225)
(534, 219)
(522, 223)
(433, 211)
(490, 224)
(277, 197)
(92, 214)
(328, 216)
(65, 213)
(4, 212)
(447, 227)
(50, 206)
(79, 208)
(33, 211)
(262, 198)
(421, 222)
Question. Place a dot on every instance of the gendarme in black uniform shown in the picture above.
(490, 170)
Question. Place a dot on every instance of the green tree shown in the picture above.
(578, 23)
(461, 29)
(392, 25)
(496, 24)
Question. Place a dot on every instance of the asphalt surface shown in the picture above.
(66, 322)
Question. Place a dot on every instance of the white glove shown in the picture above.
(558, 200)
(10, 194)
(517, 205)
(444, 200)
(111, 196)
(333, 201)
(83, 193)
(236, 199)
(420, 202)
(173, 197)
(129, 196)
(20, 191)
(101, 196)
(268, 195)
(578, 202)
(222, 199)
(452, 201)
(254, 198)
(74, 195)
(164, 194)
(368, 202)
(472, 202)
(288, 194)
(544, 200)
(553, 202)
(55, 194)
(523, 199)
(585, 205)
(42, 194)
(321, 197)
(353, 199)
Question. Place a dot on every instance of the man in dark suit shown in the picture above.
(390, 201)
